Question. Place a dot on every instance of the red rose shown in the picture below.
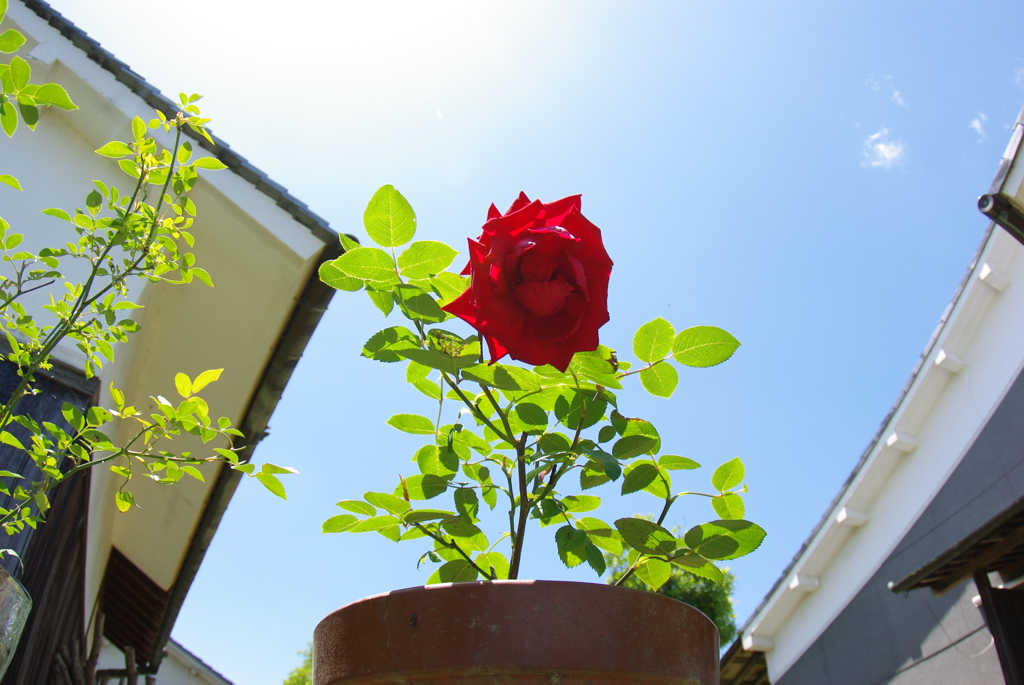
(539, 288)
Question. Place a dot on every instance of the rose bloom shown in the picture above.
(539, 288)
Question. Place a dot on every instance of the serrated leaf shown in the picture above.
(425, 258)
(138, 129)
(493, 562)
(495, 376)
(422, 487)
(384, 345)
(334, 277)
(607, 462)
(654, 572)
(703, 346)
(467, 535)
(627, 427)
(458, 571)
(412, 423)
(430, 358)
(653, 340)
(633, 446)
(358, 507)
(572, 545)
(646, 536)
(389, 503)
(389, 219)
(59, 213)
(592, 475)
(699, 566)
(368, 264)
(467, 503)
(8, 118)
(435, 461)
(339, 523)
(573, 405)
(576, 504)
(417, 305)
(660, 380)
(673, 462)
(644, 476)
(724, 539)
(21, 72)
(53, 94)
(601, 534)
(728, 475)
(448, 286)
(10, 40)
(728, 506)
(384, 300)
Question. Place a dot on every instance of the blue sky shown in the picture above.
(801, 174)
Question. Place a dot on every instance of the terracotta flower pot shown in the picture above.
(518, 632)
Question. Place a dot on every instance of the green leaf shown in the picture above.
(493, 375)
(389, 503)
(368, 264)
(607, 462)
(8, 439)
(467, 503)
(53, 94)
(7, 179)
(728, 475)
(138, 129)
(211, 163)
(458, 571)
(724, 539)
(627, 427)
(435, 461)
(412, 423)
(592, 474)
(660, 380)
(422, 487)
(339, 523)
(646, 536)
(418, 305)
(431, 358)
(494, 562)
(384, 345)
(448, 286)
(572, 545)
(465, 533)
(595, 558)
(728, 506)
(425, 258)
(10, 40)
(8, 118)
(334, 277)
(571, 405)
(576, 504)
(271, 483)
(29, 112)
(59, 213)
(389, 219)
(644, 476)
(654, 572)
(183, 384)
(383, 300)
(601, 534)
(703, 346)
(528, 417)
(653, 340)
(676, 463)
(358, 507)
(124, 501)
(699, 566)
(205, 378)
(374, 523)
(606, 433)
(633, 446)
(21, 72)
(421, 515)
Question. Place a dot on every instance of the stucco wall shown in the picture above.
(920, 639)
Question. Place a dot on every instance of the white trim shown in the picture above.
(923, 442)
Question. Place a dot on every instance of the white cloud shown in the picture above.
(885, 84)
(879, 151)
(978, 126)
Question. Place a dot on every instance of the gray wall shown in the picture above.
(920, 639)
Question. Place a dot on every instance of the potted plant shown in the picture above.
(529, 443)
